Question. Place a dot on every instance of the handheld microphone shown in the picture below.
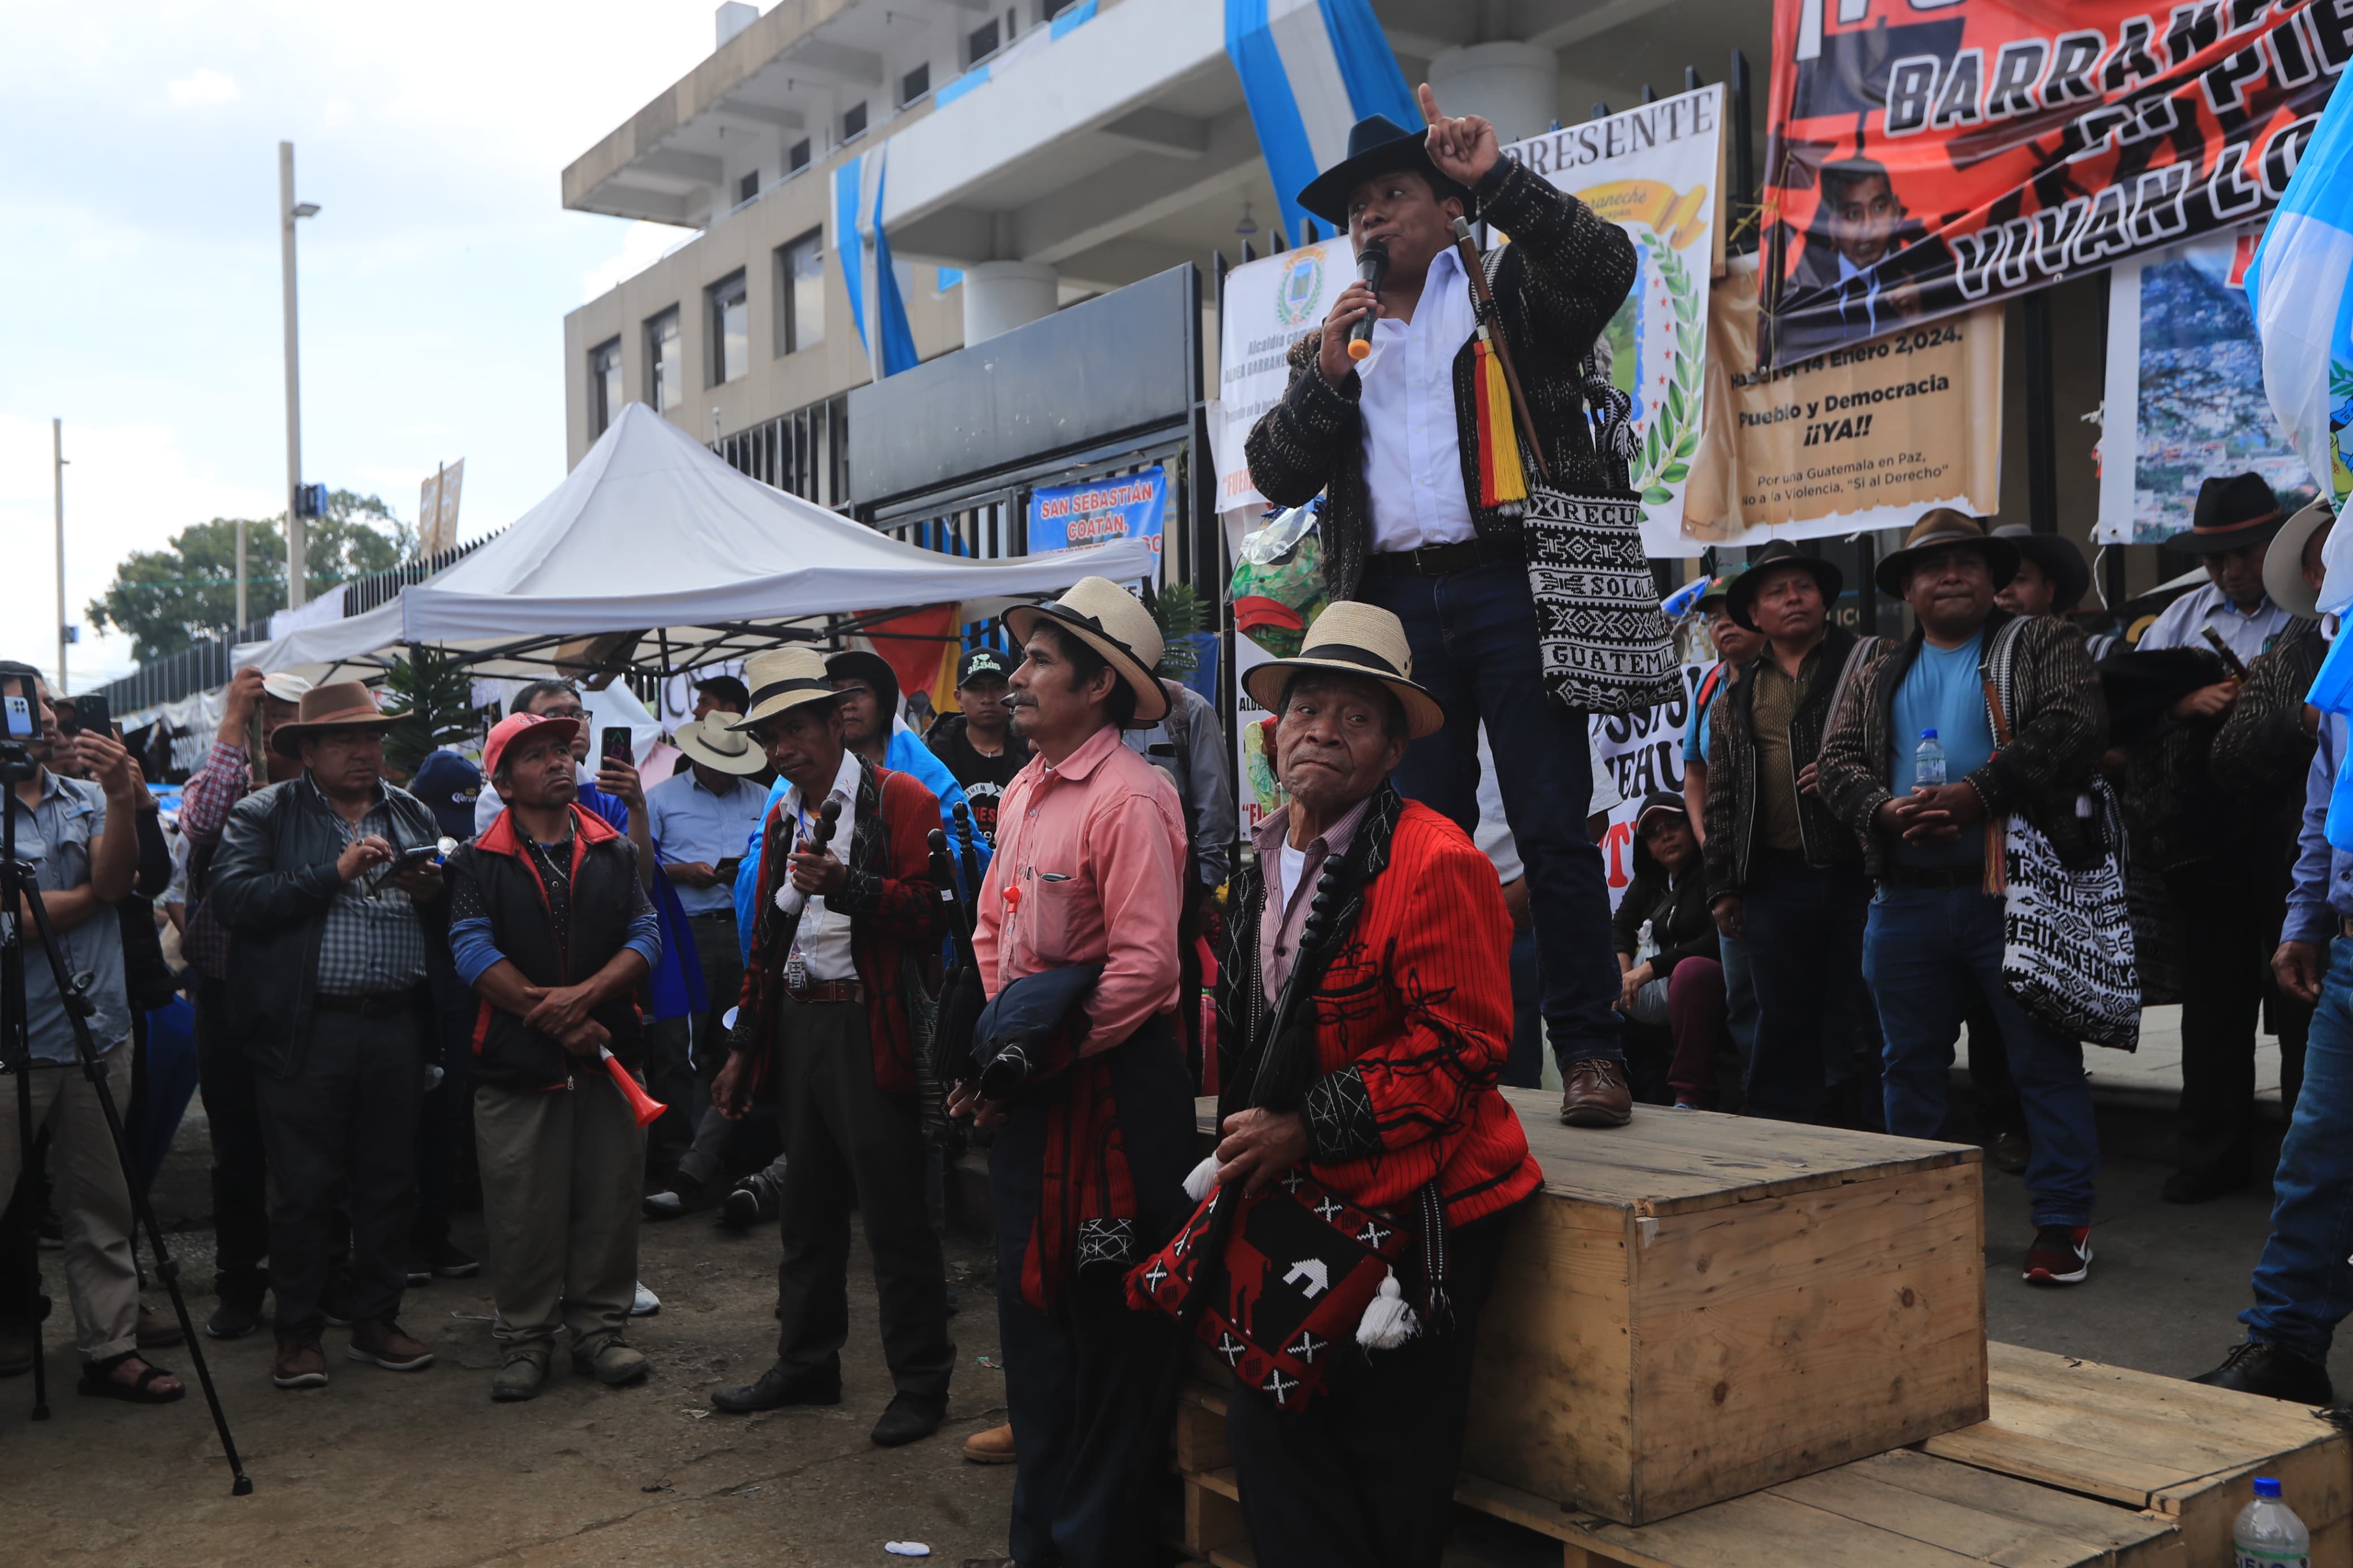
(1372, 269)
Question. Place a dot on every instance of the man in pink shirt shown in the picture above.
(1087, 1171)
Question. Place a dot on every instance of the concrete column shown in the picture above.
(999, 296)
(1516, 86)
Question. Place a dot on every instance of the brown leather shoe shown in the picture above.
(994, 1447)
(383, 1342)
(301, 1364)
(1595, 1095)
(156, 1331)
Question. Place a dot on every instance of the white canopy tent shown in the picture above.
(654, 553)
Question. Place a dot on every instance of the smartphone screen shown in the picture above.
(615, 743)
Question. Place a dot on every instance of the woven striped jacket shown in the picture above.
(1412, 1019)
(1561, 279)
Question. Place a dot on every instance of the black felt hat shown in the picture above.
(1377, 144)
(2059, 560)
(2232, 513)
(1741, 597)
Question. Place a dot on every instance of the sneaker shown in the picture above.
(754, 1201)
(1686, 1105)
(301, 1364)
(676, 1196)
(2272, 1372)
(2062, 1255)
(645, 1304)
(451, 1261)
(385, 1343)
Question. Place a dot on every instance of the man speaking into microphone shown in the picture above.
(1391, 435)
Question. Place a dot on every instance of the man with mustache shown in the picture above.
(1934, 929)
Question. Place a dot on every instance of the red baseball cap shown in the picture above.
(503, 734)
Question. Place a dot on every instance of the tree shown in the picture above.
(170, 598)
(437, 696)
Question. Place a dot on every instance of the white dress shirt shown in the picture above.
(1413, 448)
(2247, 632)
(822, 938)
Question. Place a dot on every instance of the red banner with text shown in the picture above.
(1928, 155)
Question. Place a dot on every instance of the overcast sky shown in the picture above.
(141, 261)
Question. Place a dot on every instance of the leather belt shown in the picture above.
(1437, 560)
(383, 1005)
(1970, 876)
(826, 990)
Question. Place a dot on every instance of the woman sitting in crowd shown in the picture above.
(1673, 995)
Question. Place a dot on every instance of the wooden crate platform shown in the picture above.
(2175, 1448)
(1696, 1306)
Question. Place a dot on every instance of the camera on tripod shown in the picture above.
(20, 722)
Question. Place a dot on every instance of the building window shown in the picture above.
(604, 396)
(798, 158)
(665, 385)
(731, 329)
(980, 43)
(853, 121)
(1049, 9)
(800, 293)
(747, 187)
(914, 84)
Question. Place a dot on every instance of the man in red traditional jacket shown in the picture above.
(1397, 1112)
(838, 933)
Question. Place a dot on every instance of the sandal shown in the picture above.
(98, 1383)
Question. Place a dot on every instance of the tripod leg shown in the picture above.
(20, 1057)
(167, 1267)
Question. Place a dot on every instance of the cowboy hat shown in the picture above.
(340, 705)
(1741, 597)
(782, 678)
(1114, 623)
(1377, 144)
(2057, 558)
(717, 746)
(2283, 564)
(2232, 513)
(1353, 638)
(1934, 528)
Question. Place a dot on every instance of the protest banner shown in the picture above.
(1854, 438)
(1925, 159)
(2185, 389)
(1657, 172)
(1126, 506)
(1269, 306)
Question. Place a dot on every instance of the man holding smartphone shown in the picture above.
(701, 818)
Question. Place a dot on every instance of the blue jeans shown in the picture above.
(1524, 1068)
(1921, 946)
(2304, 1286)
(1473, 636)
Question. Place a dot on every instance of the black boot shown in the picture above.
(2273, 1372)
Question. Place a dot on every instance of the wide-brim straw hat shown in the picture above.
(717, 746)
(339, 705)
(1935, 529)
(1114, 623)
(1359, 639)
(2284, 562)
(783, 679)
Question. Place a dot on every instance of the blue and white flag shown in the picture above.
(1310, 70)
(865, 271)
(2301, 285)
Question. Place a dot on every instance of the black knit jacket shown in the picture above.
(1560, 279)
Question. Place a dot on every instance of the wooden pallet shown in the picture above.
(2178, 1450)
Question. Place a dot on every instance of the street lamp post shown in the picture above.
(297, 545)
(57, 448)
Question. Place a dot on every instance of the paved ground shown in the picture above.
(385, 1469)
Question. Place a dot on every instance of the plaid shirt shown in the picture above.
(372, 943)
(205, 802)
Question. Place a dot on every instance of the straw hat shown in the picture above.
(2284, 562)
(716, 746)
(1114, 623)
(342, 705)
(783, 679)
(1937, 528)
(1359, 640)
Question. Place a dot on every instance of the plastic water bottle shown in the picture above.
(2267, 1534)
(1928, 763)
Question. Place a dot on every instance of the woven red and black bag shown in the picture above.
(1302, 1266)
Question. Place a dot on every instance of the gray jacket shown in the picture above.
(1191, 744)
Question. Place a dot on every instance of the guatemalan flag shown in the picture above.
(1310, 70)
(866, 271)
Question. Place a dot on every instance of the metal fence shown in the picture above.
(805, 452)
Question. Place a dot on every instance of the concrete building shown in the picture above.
(1040, 152)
